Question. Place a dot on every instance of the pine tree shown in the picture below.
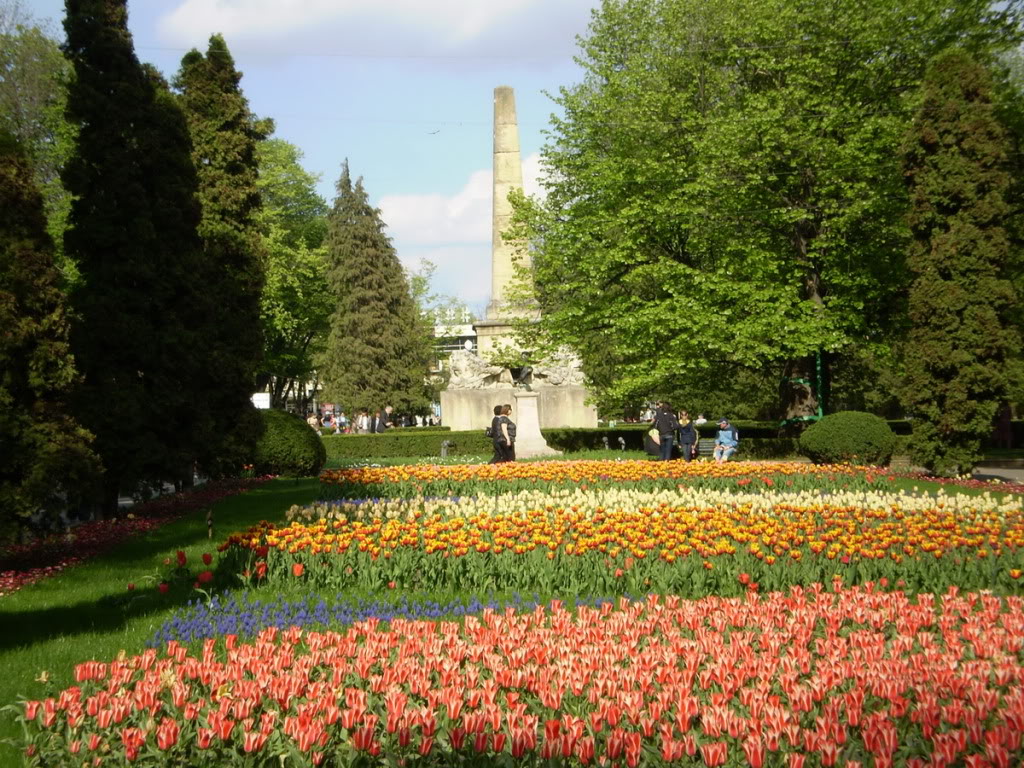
(376, 352)
(133, 236)
(47, 458)
(225, 136)
(959, 343)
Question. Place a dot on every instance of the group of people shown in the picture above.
(362, 423)
(503, 435)
(670, 428)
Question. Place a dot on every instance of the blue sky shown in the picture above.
(402, 88)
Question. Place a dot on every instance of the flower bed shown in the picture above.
(853, 678)
(247, 615)
(689, 543)
(48, 556)
(472, 479)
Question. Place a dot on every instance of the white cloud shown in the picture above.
(464, 217)
(453, 232)
(386, 27)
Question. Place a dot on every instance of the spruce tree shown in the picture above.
(959, 342)
(132, 233)
(47, 454)
(225, 137)
(376, 352)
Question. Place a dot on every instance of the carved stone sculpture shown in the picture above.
(470, 372)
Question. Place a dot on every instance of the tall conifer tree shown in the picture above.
(47, 458)
(959, 343)
(376, 352)
(132, 232)
(225, 135)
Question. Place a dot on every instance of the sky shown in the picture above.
(402, 89)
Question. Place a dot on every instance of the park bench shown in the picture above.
(705, 447)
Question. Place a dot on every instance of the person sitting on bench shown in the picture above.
(726, 441)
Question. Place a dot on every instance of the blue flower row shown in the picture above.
(246, 616)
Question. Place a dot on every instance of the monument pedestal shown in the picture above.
(529, 441)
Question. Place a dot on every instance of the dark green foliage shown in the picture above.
(287, 446)
(849, 437)
(132, 233)
(47, 459)
(960, 341)
(238, 447)
(378, 347)
(224, 137)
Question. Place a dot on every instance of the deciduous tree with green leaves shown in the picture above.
(723, 190)
(34, 77)
(960, 339)
(297, 303)
(377, 350)
(48, 462)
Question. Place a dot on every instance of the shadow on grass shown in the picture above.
(30, 620)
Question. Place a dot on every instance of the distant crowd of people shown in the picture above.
(669, 429)
(365, 422)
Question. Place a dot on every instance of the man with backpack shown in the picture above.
(665, 424)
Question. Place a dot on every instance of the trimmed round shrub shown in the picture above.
(849, 437)
(288, 446)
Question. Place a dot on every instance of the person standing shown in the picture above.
(688, 436)
(666, 424)
(342, 423)
(377, 424)
(313, 422)
(726, 441)
(508, 428)
(497, 437)
(363, 422)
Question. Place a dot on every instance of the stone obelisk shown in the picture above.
(508, 175)
(555, 398)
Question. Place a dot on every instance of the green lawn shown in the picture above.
(87, 612)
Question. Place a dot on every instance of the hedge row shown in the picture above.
(417, 443)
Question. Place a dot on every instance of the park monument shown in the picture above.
(544, 393)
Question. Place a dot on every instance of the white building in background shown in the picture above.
(453, 330)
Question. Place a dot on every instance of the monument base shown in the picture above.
(467, 409)
(529, 441)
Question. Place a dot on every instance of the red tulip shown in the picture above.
(206, 577)
(297, 569)
(181, 558)
(207, 558)
(164, 587)
(131, 586)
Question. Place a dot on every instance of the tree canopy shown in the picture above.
(722, 193)
(48, 461)
(225, 135)
(377, 350)
(296, 304)
(960, 339)
(133, 237)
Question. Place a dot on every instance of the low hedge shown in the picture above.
(413, 442)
